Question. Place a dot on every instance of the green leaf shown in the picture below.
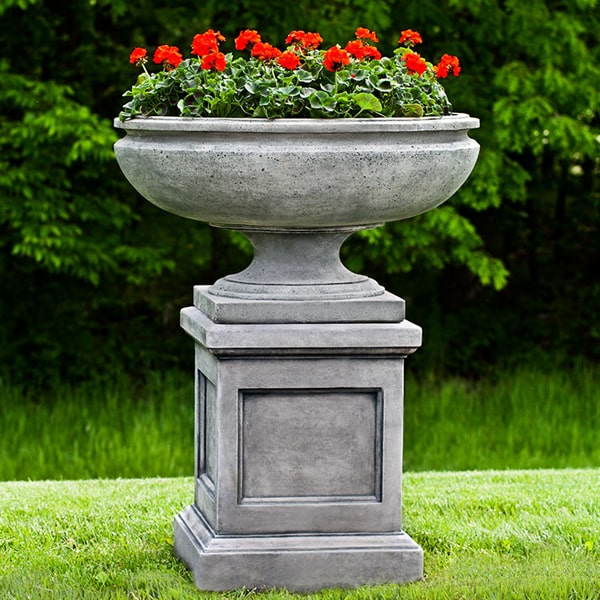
(367, 101)
(412, 110)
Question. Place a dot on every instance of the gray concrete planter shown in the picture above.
(299, 362)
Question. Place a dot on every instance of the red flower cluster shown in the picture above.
(138, 56)
(410, 37)
(362, 33)
(309, 40)
(414, 63)
(335, 58)
(289, 60)
(168, 56)
(360, 49)
(214, 60)
(447, 63)
(248, 37)
(264, 51)
(207, 42)
(206, 46)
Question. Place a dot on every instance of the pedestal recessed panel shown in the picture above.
(303, 444)
(207, 443)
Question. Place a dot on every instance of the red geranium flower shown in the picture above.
(214, 60)
(312, 40)
(371, 52)
(335, 58)
(410, 37)
(362, 33)
(295, 36)
(360, 50)
(447, 63)
(355, 48)
(264, 51)
(207, 42)
(168, 56)
(289, 60)
(138, 56)
(414, 63)
(246, 38)
(306, 40)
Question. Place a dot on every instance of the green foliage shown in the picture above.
(108, 428)
(23, 4)
(56, 206)
(433, 240)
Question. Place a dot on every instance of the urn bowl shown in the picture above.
(297, 173)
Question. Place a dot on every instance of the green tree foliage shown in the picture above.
(531, 73)
(90, 269)
(60, 208)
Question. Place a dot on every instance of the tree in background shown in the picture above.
(531, 74)
(94, 276)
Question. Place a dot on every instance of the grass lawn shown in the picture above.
(489, 534)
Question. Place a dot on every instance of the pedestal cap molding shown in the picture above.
(402, 338)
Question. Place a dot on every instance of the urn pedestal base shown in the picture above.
(298, 472)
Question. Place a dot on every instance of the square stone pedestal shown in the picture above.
(298, 456)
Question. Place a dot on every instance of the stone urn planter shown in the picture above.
(299, 362)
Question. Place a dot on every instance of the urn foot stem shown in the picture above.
(297, 265)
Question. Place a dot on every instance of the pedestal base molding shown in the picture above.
(302, 563)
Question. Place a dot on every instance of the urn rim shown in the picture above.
(453, 122)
